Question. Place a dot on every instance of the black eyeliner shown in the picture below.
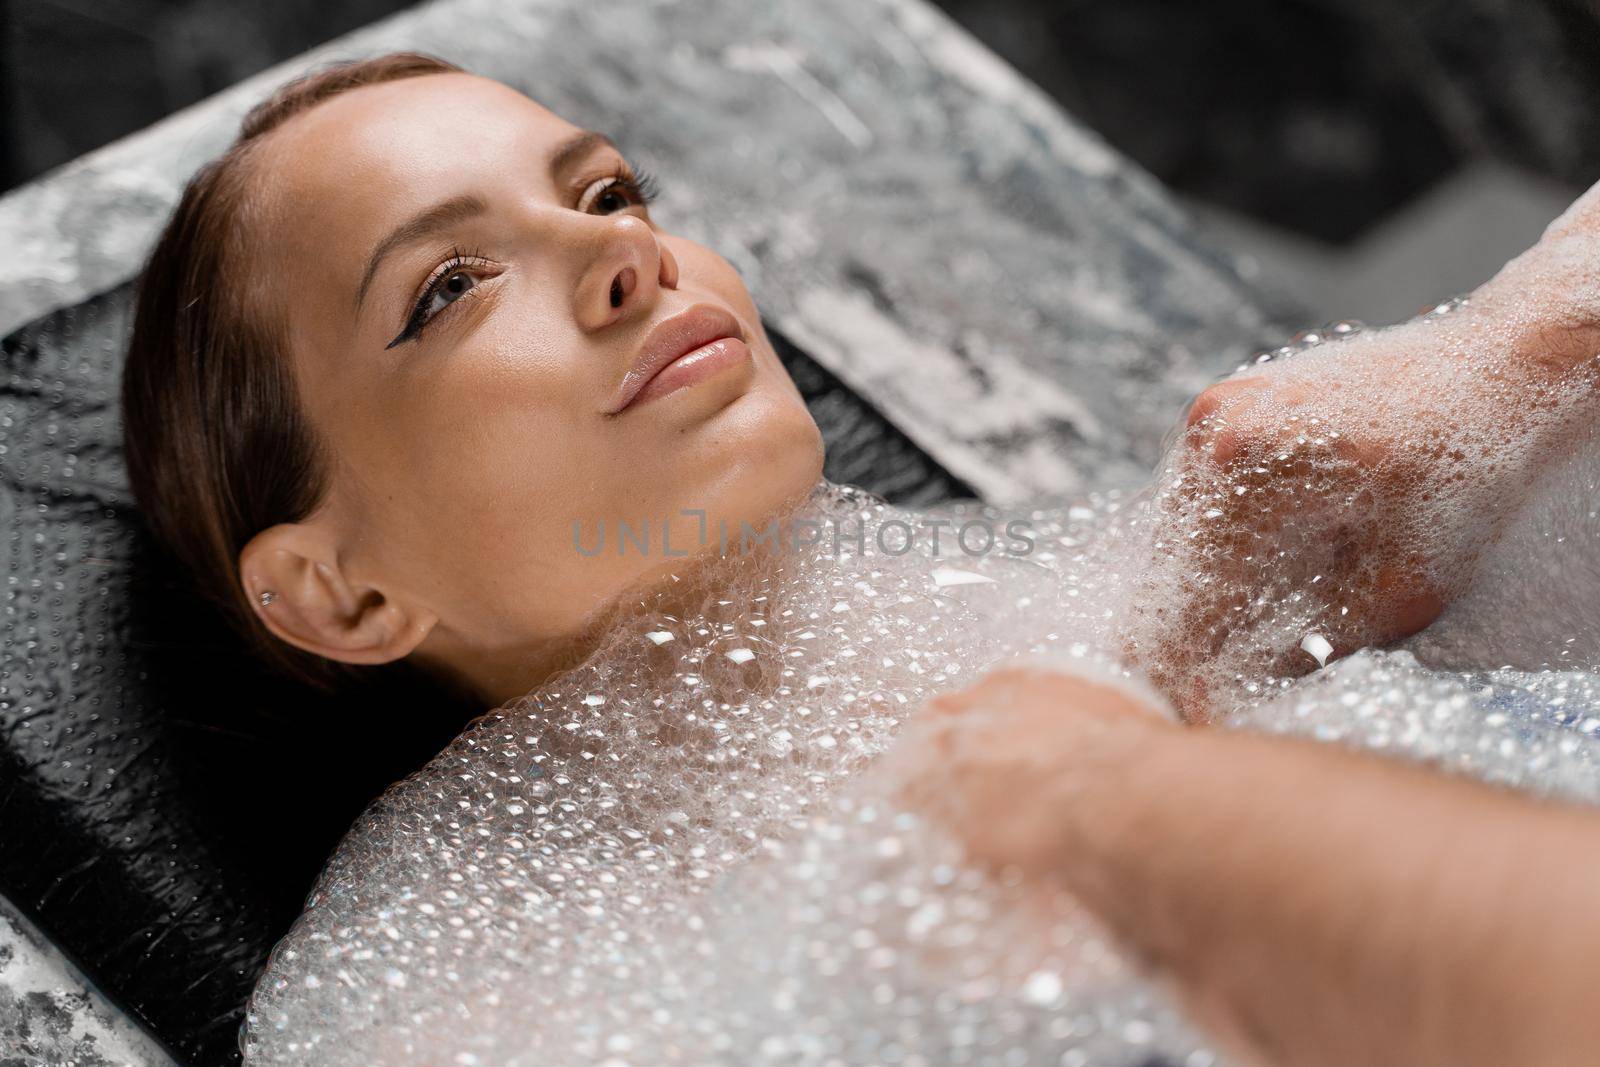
(413, 324)
(636, 180)
(417, 320)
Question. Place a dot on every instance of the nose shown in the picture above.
(627, 268)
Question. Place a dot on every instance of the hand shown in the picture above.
(997, 764)
(1340, 497)
(1294, 506)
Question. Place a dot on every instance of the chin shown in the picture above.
(784, 457)
(768, 455)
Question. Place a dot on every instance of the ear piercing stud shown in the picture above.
(267, 596)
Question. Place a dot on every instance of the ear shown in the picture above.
(316, 607)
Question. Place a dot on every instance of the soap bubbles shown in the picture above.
(671, 854)
(1341, 498)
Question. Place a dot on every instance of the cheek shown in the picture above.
(701, 269)
(474, 443)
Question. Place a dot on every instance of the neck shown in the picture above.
(499, 676)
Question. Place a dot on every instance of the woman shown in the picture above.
(397, 342)
(385, 380)
(360, 471)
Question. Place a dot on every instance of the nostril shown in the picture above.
(621, 286)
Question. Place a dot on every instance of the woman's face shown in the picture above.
(468, 291)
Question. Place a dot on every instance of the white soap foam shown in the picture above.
(669, 855)
(1331, 495)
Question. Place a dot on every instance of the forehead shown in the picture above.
(361, 159)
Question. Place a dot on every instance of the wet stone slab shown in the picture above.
(1024, 303)
(51, 1014)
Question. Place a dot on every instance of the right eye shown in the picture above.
(450, 288)
(455, 278)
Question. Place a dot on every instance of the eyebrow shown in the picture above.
(446, 213)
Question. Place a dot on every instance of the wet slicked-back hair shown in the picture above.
(217, 444)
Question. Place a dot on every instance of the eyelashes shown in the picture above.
(639, 186)
(636, 181)
(419, 317)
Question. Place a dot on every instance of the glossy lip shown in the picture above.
(671, 340)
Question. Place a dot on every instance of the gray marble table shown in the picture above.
(50, 1013)
(1021, 300)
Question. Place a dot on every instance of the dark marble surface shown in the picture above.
(1023, 303)
(1319, 116)
(78, 74)
(51, 1014)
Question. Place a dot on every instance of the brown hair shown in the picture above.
(217, 446)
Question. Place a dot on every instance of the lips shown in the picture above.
(671, 340)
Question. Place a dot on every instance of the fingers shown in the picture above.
(1287, 487)
(1414, 601)
(1045, 686)
(1194, 704)
(1243, 417)
(1003, 763)
(1214, 421)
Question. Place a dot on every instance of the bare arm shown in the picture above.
(1348, 491)
(1312, 906)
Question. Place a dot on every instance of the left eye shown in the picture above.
(615, 194)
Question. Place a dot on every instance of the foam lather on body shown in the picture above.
(670, 855)
(1334, 497)
(660, 857)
